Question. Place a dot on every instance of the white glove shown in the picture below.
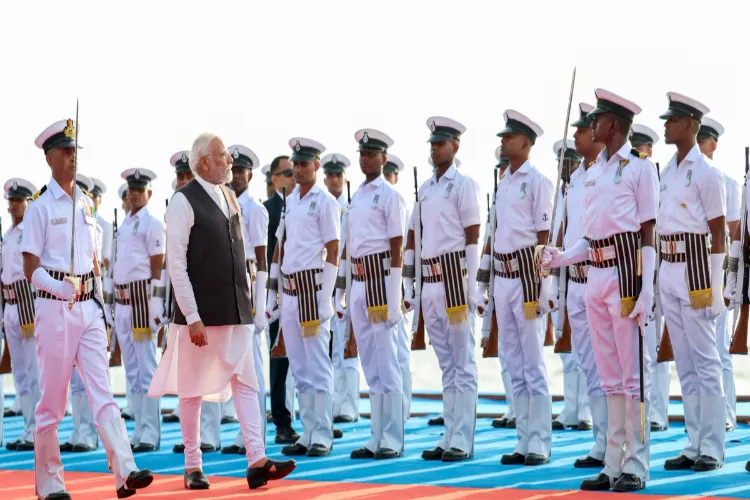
(472, 266)
(340, 292)
(545, 295)
(485, 307)
(731, 289)
(645, 302)
(408, 294)
(62, 289)
(156, 313)
(717, 278)
(108, 314)
(272, 308)
(325, 303)
(552, 257)
(393, 297)
(259, 320)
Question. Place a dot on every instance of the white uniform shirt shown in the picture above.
(617, 207)
(733, 199)
(106, 236)
(523, 208)
(180, 220)
(558, 217)
(691, 194)
(11, 257)
(576, 221)
(343, 208)
(48, 227)
(140, 237)
(448, 206)
(254, 224)
(310, 223)
(376, 214)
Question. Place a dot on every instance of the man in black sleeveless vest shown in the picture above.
(211, 335)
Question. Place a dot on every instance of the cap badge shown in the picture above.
(365, 138)
(137, 174)
(236, 153)
(184, 158)
(70, 130)
(297, 146)
(334, 159)
(15, 186)
(433, 126)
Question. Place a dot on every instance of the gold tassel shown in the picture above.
(142, 335)
(626, 306)
(310, 328)
(457, 315)
(27, 331)
(531, 309)
(700, 299)
(377, 314)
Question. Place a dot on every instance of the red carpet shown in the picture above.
(19, 485)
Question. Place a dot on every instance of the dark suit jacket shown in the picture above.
(273, 206)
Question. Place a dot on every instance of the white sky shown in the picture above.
(151, 76)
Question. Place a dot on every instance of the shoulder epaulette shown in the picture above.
(38, 193)
(90, 195)
(638, 154)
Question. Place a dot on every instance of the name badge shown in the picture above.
(135, 226)
(523, 190)
(375, 201)
(688, 177)
(59, 220)
(589, 184)
(311, 210)
(448, 190)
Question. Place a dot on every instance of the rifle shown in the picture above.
(278, 349)
(417, 325)
(350, 342)
(72, 278)
(664, 352)
(564, 342)
(492, 350)
(5, 364)
(114, 346)
(164, 329)
(739, 330)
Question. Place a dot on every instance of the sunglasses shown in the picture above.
(285, 173)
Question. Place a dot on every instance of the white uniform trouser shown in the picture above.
(313, 375)
(454, 347)
(248, 412)
(378, 353)
(84, 430)
(64, 337)
(403, 351)
(660, 378)
(345, 374)
(523, 341)
(696, 357)
(25, 370)
(723, 338)
(505, 375)
(615, 343)
(581, 338)
(140, 363)
(576, 407)
(258, 362)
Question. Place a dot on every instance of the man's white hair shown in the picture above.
(199, 149)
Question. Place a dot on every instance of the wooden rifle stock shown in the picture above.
(565, 343)
(116, 358)
(739, 339)
(549, 336)
(417, 340)
(665, 353)
(279, 351)
(5, 364)
(350, 349)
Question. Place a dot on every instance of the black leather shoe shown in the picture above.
(242, 451)
(599, 483)
(178, 448)
(338, 433)
(136, 480)
(588, 462)
(25, 446)
(295, 449)
(360, 453)
(125, 416)
(728, 427)
(629, 482)
(584, 425)
(318, 450)
(681, 462)
(286, 435)
(512, 459)
(500, 423)
(144, 448)
(512, 423)
(66, 447)
(208, 448)
(747, 466)
(12, 445)
(170, 418)
(10, 413)
(82, 448)
(269, 417)
(196, 481)
(342, 419)
(436, 421)
(229, 420)
(557, 426)
(706, 463)
(59, 495)
(535, 459)
(230, 450)
(658, 428)
(386, 453)
(454, 455)
(259, 476)
(433, 454)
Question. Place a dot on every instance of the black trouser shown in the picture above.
(279, 368)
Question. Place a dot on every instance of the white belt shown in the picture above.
(507, 267)
(672, 247)
(432, 270)
(602, 254)
(289, 283)
(573, 271)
